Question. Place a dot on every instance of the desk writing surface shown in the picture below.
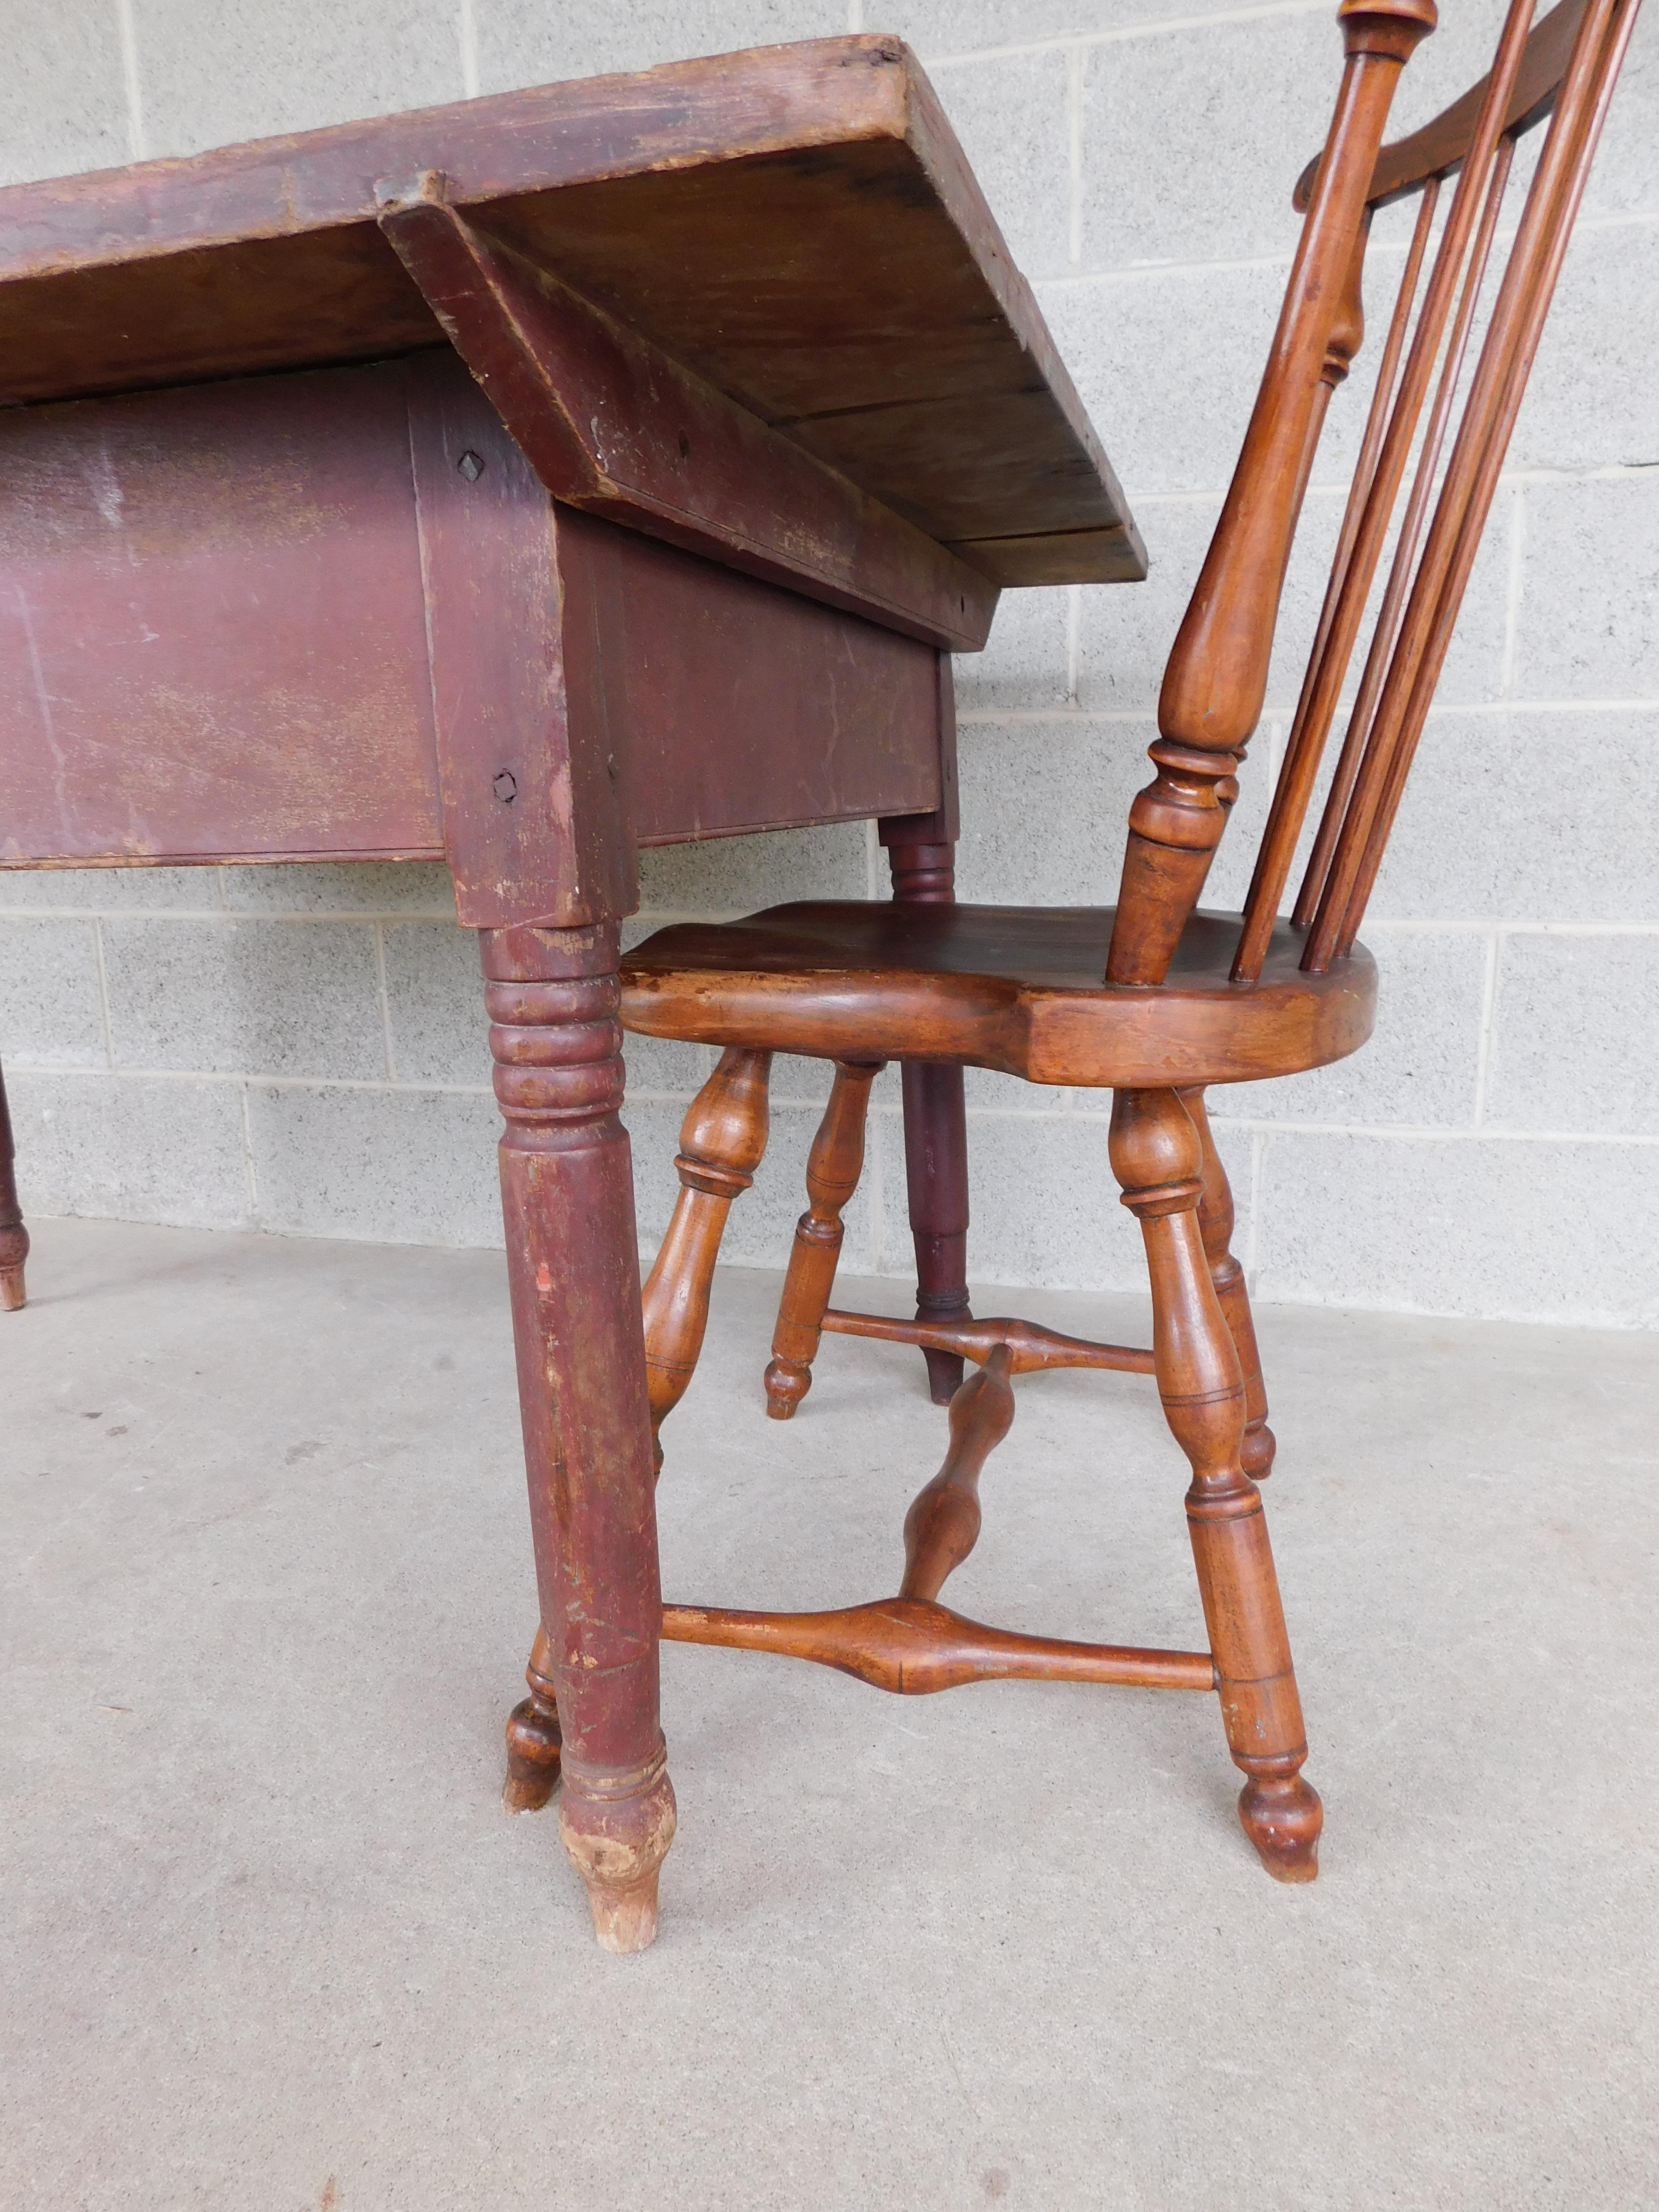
(753, 418)
(797, 225)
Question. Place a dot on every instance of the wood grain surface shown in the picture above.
(795, 226)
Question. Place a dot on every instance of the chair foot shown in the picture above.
(1257, 1452)
(533, 1749)
(535, 1742)
(786, 1385)
(1282, 1816)
(13, 1296)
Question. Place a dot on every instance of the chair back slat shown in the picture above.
(1448, 559)
(1317, 703)
(1361, 721)
(1330, 666)
(1563, 67)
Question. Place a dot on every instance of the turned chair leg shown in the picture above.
(13, 1237)
(1157, 1156)
(722, 1140)
(534, 1742)
(833, 1169)
(1215, 1222)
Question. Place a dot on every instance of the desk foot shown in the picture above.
(13, 1237)
(617, 1844)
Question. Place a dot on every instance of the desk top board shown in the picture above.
(797, 225)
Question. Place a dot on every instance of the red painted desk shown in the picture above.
(518, 484)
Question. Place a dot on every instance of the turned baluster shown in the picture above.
(1157, 1157)
(722, 1141)
(942, 1526)
(13, 1237)
(573, 1267)
(1217, 676)
(1215, 1222)
(833, 1169)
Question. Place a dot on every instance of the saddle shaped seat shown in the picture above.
(1018, 989)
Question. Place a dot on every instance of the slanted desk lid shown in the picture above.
(798, 224)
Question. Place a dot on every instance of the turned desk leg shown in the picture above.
(721, 1144)
(936, 1173)
(1157, 1157)
(13, 1237)
(573, 1265)
(833, 1169)
(935, 1143)
(1215, 1222)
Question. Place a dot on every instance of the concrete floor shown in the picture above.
(269, 1941)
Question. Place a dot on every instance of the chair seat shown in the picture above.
(1013, 988)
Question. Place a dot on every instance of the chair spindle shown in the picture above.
(1499, 383)
(1216, 677)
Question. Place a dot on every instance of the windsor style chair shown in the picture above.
(1156, 999)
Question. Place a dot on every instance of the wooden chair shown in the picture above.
(1156, 1000)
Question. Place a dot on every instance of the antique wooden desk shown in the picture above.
(521, 482)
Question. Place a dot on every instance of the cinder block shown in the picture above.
(1010, 115)
(1192, 140)
(761, 1223)
(1024, 666)
(1045, 809)
(1588, 626)
(986, 1092)
(960, 26)
(1528, 816)
(658, 1063)
(1499, 1227)
(1044, 1206)
(731, 875)
(212, 76)
(1591, 402)
(434, 997)
(526, 42)
(113, 890)
(127, 1148)
(397, 1167)
(1167, 363)
(342, 887)
(262, 998)
(1575, 1035)
(1625, 178)
(63, 94)
(50, 1014)
(1126, 633)
(1420, 1064)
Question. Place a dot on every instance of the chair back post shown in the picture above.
(1216, 677)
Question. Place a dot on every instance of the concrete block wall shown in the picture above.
(302, 1049)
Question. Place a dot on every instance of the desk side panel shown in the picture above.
(730, 705)
(212, 626)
